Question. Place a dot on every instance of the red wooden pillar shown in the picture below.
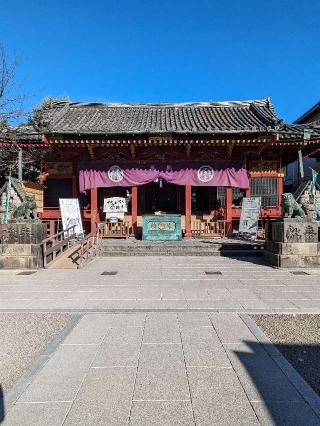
(228, 214)
(280, 192)
(134, 209)
(94, 208)
(188, 212)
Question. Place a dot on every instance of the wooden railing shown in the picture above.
(120, 229)
(90, 247)
(206, 228)
(57, 244)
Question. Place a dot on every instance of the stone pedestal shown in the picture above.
(20, 245)
(293, 244)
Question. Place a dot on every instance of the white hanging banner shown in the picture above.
(249, 218)
(70, 214)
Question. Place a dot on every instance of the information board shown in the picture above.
(115, 208)
(70, 214)
(250, 216)
(115, 205)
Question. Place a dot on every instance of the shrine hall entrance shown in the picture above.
(170, 198)
(205, 207)
(161, 196)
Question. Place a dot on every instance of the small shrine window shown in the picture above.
(266, 188)
(237, 196)
(221, 195)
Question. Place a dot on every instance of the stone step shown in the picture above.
(180, 248)
(118, 252)
(232, 254)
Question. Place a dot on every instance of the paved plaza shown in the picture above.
(161, 341)
(218, 283)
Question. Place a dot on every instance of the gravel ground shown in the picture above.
(23, 337)
(297, 337)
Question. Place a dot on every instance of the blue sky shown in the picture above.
(167, 50)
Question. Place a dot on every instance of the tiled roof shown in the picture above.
(183, 118)
(20, 133)
(299, 131)
(244, 117)
(310, 116)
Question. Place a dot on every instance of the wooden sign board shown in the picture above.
(59, 168)
(263, 166)
(165, 227)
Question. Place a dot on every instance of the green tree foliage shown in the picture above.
(39, 113)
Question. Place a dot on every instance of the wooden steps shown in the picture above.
(68, 260)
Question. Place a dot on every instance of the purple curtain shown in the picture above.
(194, 173)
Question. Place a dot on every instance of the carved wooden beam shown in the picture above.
(229, 148)
(91, 152)
(133, 151)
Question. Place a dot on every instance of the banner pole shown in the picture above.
(7, 206)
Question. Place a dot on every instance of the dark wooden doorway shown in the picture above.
(161, 197)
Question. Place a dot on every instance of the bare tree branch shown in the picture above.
(14, 139)
(11, 101)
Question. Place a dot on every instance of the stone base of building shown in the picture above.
(21, 256)
(294, 244)
(291, 260)
(20, 245)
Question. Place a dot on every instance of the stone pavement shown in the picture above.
(163, 283)
(163, 343)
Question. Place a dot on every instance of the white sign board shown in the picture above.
(250, 216)
(70, 214)
(115, 205)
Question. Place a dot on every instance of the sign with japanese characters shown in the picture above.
(250, 216)
(70, 214)
(115, 207)
(161, 227)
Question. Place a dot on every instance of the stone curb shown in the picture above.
(308, 394)
(14, 394)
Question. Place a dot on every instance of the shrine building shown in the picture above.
(197, 160)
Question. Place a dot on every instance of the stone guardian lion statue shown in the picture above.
(26, 211)
(292, 207)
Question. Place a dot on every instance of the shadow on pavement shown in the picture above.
(274, 398)
(255, 258)
(2, 414)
